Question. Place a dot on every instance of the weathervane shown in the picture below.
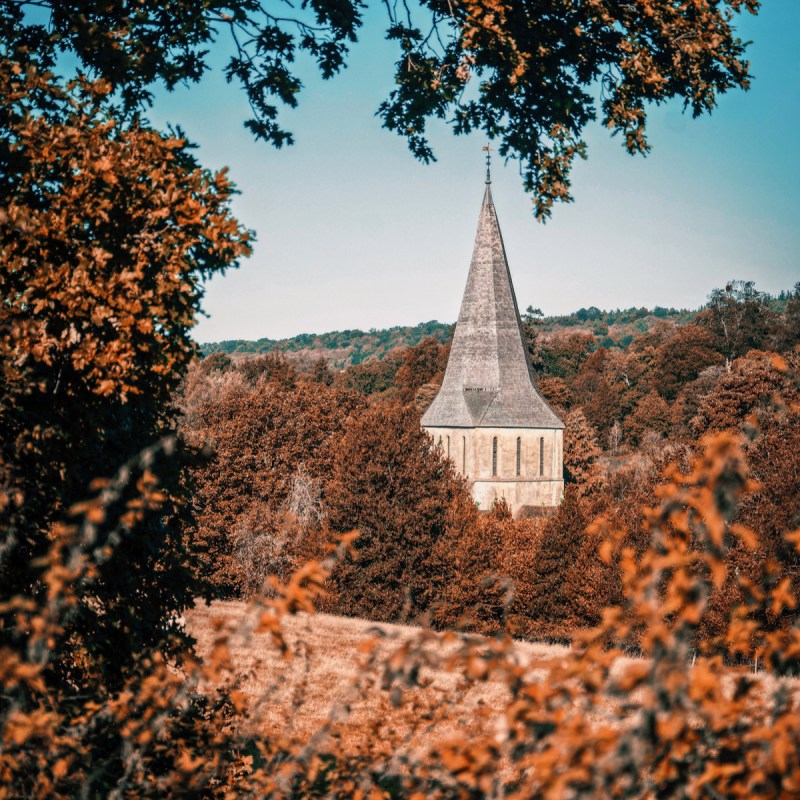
(488, 151)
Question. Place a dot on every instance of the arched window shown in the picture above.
(519, 456)
(494, 456)
(541, 455)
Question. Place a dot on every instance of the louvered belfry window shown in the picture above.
(464, 457)
(494, 456)
(519, 456)
(541, 455)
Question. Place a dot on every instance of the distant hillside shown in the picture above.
(340, 348)
(346, 348)
(611, 328)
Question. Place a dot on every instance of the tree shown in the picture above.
(562, 356)
(532, 320)
(774, 507)
(269, 368)
(423, 363)
(216, 362)
(536, 64)
(322, 372)
(754, 383)
(106, 234)
(478, 592)
(552, 597)
(581, 453)
(597, 398)
(263, 438)
(740, 319)
(789, 326)
(388, 483)
(692, 396)
(682, 358)
(557, 393)
(373, 377)
(651, 414)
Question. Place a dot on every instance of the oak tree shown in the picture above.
(531, 74)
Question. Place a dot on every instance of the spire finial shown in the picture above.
(488, 150)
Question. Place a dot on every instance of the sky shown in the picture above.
(352, 232)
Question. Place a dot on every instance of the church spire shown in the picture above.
(488, 381)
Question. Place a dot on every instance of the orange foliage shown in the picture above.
(390, 484)
(749, 387)
(651, 413)
(589, 722)
(682, 358)
(108, 231)
(263, 438)
(422, 364)
(581, 453)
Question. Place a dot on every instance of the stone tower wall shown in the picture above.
(540, 480)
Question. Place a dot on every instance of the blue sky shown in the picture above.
(354, 233)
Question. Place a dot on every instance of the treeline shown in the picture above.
(617, 328)
(303, 457)
(653, 389)
(341, 348)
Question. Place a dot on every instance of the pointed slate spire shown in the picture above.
(488, 381)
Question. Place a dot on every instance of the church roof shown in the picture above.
(488, 382)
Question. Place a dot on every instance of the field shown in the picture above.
(342, 680)
(334, 675)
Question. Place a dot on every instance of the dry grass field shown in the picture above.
(347, 679)
(336, 678)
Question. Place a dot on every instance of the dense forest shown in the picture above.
(303, 447)
(340, 348)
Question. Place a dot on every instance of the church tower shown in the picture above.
(489, 418)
